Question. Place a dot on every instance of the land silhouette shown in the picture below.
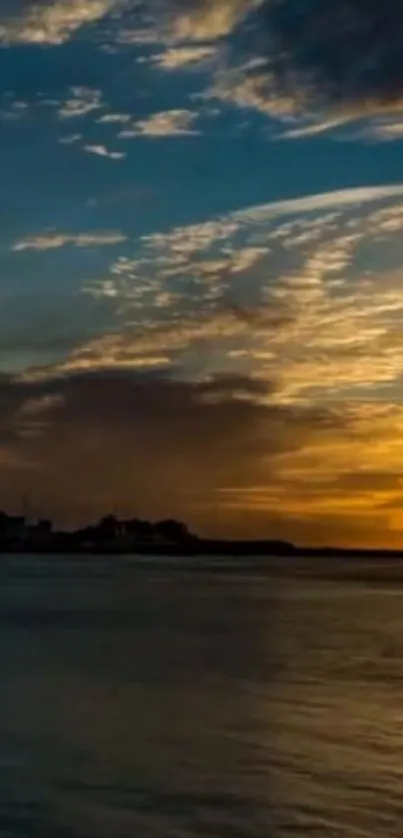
(136, 536)
(130, 536)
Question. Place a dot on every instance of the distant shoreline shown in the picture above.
(168, 537)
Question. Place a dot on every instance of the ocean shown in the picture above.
(164, 701)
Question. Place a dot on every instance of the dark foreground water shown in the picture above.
(156, 703)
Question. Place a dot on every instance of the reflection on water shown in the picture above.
(191, 704)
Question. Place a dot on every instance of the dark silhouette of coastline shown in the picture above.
(133, 536)
(163, 538)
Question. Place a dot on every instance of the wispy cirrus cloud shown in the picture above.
(383, 130)
(109, 352)
(272, 290)
(322, 201)
(53, 240)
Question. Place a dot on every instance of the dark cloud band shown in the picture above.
(346, 54)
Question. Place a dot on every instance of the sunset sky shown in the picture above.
(201, 264)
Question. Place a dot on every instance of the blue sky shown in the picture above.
(201, 215)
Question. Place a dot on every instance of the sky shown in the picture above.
(201, 249)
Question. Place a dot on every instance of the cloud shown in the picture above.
(311, 68)
(213, 452)
(319, 66)
(275, 329)
(103, 151)
(50, 22)
(139, 36)
(41, 404)
(273, 289)
(204, 21)
(175, 247)
(34, 416)
(341, 57)
(321, 201)
(54, 241)
(70, 139)
(83, 101)
(109, 352)
(252, 91)
(292, 108)
(56, 21)
(384, 130)
(167, 446)
(165, 124)
(15, 110)
(300, 62)
(312, 129)
(176, 58)
(180, 22)
(155, 345)
(114, 118)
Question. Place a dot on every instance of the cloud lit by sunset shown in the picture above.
(201, 276)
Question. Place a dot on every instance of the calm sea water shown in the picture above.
(156, 703)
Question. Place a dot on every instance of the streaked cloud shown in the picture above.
(114, 118)
(134, 348)
(54, 240)
(40, 404)
(33, 417)
(317, 329)
(139, 37)
(327, 200)
(112, 351)
(383, 130)
(176, 58)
